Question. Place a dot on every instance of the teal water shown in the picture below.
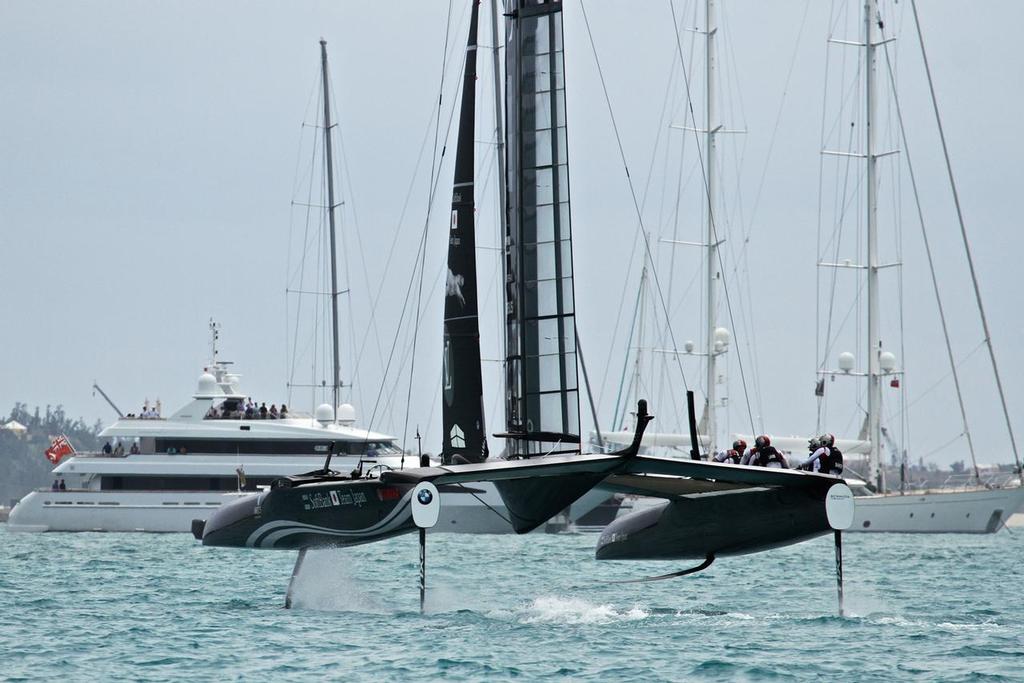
(160, 607)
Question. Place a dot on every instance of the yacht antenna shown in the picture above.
(214, 336)
(336, 371)
(874, 342)
(96, 387)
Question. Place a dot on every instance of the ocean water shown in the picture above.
(103, 607)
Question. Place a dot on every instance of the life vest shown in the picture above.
(764, 456)
(835, 462)
(733, 456)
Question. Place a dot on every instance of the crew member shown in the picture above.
(764, 454)
(835, 463)
(734, 455)
(825, 459)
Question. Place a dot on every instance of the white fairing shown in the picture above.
(426, 505)
(839, 507)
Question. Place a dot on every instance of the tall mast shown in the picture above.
(638, 361)
(711, 131)
(499, 131)
(874, 342)
(328, 157)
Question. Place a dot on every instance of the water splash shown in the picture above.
(327, 582)
(571, 610)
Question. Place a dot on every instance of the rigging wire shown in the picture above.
(413, 275)
(711, 219)
(931, 269)
(963, 234)
(643, 202)
(435, 175)
(629, 180)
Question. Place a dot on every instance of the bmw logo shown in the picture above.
(425, 496)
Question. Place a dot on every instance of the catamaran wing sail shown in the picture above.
(542, 411)
(464, 437)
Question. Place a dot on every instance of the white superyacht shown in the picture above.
(179, 469)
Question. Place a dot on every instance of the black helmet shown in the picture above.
(813, 443)
(762, 441)
(827, 440)
(739, 445)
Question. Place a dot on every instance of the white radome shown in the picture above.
(207, 385)
(324, 413)
(722, 336)
(846, 361)
(346, 414)
(887, 361)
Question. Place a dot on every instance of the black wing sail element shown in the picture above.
(542, 407)
(462, 411)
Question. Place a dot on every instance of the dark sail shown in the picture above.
(542, 407)
(462, 387)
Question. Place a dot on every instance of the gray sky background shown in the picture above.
(149, 155)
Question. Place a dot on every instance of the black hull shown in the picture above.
(329, 514)
(727, 523)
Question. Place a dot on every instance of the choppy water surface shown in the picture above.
(159, 607)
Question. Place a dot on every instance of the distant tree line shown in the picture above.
(23, 465)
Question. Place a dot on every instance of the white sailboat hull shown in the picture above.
(973, 511)
(173, 511)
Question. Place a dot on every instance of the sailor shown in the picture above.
(56, 486)
(835, 462)
(764, 454)
(63, 486)
(734, 455)
(107, 448)
(825, 459)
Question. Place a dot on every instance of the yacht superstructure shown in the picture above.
(178, 469)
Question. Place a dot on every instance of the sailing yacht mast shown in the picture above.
(499, 130)
(877, 474)
(329, 159)
(710, 133)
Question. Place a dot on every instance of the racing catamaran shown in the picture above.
(544, 470)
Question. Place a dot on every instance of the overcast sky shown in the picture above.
(148, 162)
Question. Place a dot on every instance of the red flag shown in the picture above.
(59, 447)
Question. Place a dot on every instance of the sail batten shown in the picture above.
(541, 376)
(464, 435)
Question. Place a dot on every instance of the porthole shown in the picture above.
(867, 523)
(911, 514)
(933, 514)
